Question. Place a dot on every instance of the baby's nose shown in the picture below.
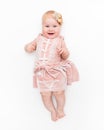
(51, 28)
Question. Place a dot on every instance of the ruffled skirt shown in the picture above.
(55, 77)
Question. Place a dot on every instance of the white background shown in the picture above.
(21, 107)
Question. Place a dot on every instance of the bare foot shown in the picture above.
(54, 116)
(60, 114)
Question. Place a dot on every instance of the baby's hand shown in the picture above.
(60, 51)
(29, 48)
(63, 52)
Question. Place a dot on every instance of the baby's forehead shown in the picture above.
(47, 17)
(49, 20)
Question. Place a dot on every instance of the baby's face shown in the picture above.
(50, 28)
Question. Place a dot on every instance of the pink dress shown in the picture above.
(51, 72)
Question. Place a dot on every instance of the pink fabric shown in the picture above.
(51, 72)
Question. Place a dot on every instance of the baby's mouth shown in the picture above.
(50, 33)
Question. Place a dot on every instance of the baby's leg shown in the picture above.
(48, 103)
(60, 100)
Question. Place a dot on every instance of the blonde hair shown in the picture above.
(53, 14)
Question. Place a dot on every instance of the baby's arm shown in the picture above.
(63, 51)
(30, 47)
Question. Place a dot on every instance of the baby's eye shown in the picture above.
(54, 26)
(47, 26)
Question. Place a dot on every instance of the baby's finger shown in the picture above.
(33, 46)
(60, 52)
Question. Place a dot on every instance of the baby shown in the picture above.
(53, 71)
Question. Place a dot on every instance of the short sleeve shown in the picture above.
(62, 44)
(35, 41)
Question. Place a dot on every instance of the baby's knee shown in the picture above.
(58, 92)
(45, 93)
